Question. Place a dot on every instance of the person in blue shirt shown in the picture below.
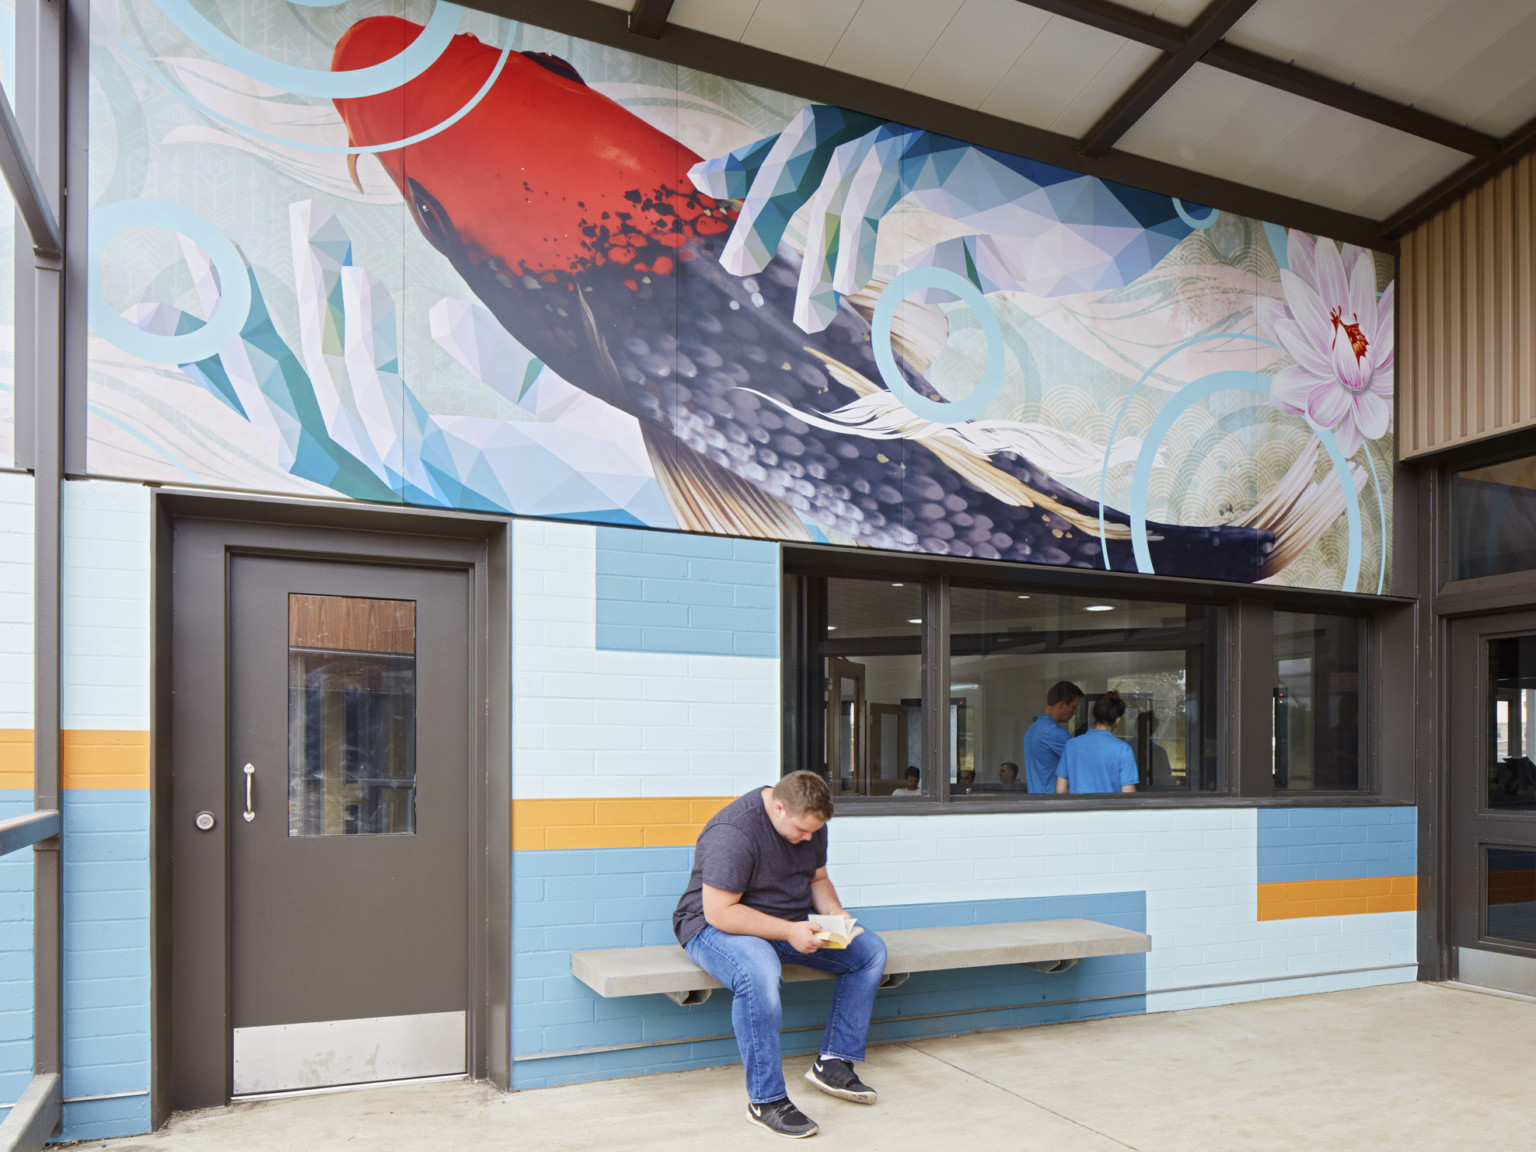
(1046, 736)
(1098, 760)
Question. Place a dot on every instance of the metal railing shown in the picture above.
(40, 199)
(37, 1115)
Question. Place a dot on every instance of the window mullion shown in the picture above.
(936, 684)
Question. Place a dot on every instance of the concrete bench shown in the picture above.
(1044, 945)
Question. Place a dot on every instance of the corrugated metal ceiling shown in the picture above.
(1471, 62)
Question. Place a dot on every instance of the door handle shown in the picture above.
(250, 812)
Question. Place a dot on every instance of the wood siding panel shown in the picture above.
(352, 624)
(1467, 318)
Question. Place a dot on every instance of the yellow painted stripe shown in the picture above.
(1299, 898)
(618, 822)
(16, 758)
(89, 758)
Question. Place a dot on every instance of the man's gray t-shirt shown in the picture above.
(740, 851)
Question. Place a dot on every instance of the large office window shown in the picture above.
(934, 681)
(1008, 648)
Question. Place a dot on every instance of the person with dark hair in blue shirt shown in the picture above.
(1046, 736)
(1098, 760)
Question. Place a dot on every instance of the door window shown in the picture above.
(351, 716)
(1509, 887)
(1511, 726)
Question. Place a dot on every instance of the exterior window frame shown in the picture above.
(1243, 660)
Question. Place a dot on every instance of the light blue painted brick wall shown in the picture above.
(15, 959)
(567, 901)
(1337, 843)
(674, 592)
(106, 961)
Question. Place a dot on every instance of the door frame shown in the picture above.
(1471, 823)
(195, 536)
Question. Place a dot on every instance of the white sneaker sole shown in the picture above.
(754, 1119)
(841, 1093)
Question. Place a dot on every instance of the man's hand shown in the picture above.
(802, 938)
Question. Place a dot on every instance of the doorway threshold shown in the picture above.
(1462, 987)
(331, 1089)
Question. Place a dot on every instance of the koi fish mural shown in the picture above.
(577, 224)
(765, 370)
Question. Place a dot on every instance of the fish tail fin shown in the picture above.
(707, 497)
(1299, 509)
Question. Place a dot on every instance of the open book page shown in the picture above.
(834, 931)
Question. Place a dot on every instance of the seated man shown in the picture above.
(913, 789)
(760, 870)
(965, 781)
(1008, 776)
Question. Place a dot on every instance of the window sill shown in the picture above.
(1161, 801)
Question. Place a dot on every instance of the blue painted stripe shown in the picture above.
(1336, 843)
(680, 593)
(569, 900)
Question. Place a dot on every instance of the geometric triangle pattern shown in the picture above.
(1040, 229)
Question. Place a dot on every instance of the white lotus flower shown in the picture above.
(1340, 335)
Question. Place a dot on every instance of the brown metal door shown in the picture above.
(349, 733)
(1492, 779)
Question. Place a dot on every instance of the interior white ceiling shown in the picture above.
(1469, 61)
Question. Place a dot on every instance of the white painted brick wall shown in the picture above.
(105, 606)
(589, 723)
(15, 600)
(1198, 868)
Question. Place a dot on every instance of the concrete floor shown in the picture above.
(1407, 1067)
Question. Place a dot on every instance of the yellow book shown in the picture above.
(834, 931)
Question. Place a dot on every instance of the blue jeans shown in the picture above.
(753, 969)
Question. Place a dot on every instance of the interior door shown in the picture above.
(1492, 777)
(845, 726)
(349, 825)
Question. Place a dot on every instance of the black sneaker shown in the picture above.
(837, 1078)
(782, 1117)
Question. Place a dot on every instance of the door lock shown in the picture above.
(204, 821)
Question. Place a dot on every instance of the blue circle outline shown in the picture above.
(1140, 476)
(385, 76)
(222, 327)
(902, 286)
(1232, 379)
(333, 149)
(1197, 225)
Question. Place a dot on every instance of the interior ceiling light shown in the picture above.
(898, 585)
(1023, 597)
(831, 627)
(1099, 608)
(919, 620)
(962, 687)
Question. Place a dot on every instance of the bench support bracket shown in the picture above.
(895, 979)
(1050, 966)
(690, 997)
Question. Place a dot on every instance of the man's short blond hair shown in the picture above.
(804, 793)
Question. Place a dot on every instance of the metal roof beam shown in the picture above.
(1176, 41)
(1518, 144)
(1347, 98)
(1117, 18)
(649, 17)
(1204, 34)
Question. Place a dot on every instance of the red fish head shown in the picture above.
(543, 172)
